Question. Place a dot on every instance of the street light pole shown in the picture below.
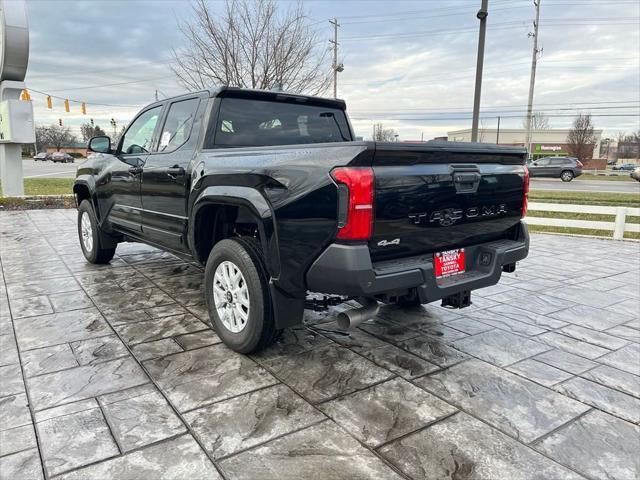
(335, 67)
(532, 79)
(482, 15)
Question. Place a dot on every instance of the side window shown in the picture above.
(139, 136)
(177, 126)
(558, 161)
(543, 162)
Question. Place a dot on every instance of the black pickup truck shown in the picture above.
(272, 194)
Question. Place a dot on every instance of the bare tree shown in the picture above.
(629, 145)
(539, 121)
(42, 138)
(251, 44)
(88, 131)
(581, 139)
(54, 136)
(382, 134)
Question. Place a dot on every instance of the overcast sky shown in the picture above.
(408, 64)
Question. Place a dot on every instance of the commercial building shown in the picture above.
(548, 142)
(70, 148)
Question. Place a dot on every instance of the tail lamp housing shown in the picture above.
(355, 202)
(525, 192)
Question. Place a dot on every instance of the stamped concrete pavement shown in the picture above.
(113, 372)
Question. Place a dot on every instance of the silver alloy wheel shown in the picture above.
(567, 176)
(86, 232)
(231, 296)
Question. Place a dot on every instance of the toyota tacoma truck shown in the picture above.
(273, 195)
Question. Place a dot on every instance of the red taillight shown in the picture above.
(357, 224)
(525, 195)
(579, 163)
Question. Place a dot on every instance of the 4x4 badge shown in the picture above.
(386, 243)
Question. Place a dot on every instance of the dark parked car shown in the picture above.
(61, 157)
(42, 156)
(270, 192)
(565, 168)
(625, 167)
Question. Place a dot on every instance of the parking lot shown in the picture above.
(49, 169)
(112, 372)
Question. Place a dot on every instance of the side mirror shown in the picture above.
(535, 164)
(101, 144)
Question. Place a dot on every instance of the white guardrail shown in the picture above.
(619, 225)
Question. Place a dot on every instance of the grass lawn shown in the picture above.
(47, 186)
(613, 178)
(586, 198)
(583, 198)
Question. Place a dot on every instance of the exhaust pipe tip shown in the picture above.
(343, 320)
(352, 318)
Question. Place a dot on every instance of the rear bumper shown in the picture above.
(348, 270)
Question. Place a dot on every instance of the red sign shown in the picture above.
(448, 263)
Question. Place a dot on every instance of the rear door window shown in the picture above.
(178, 123)
(558, 161)
(248, 123)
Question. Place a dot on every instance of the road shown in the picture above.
(577, 185)
(48, 169)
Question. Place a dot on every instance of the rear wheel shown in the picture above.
(237, 294)
(89, 235)
(566, 176)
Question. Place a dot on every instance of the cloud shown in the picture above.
(414, 83)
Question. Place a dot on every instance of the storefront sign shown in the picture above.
(548, 148)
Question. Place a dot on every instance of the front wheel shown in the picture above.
(566, 176)
(237, 295)
(89, 235)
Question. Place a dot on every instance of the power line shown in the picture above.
(521, 110)
(114, 84)
(88, 72)
(468, 117)
(495, 26)
(83, 101)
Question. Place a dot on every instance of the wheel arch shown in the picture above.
(218, 209)
(83, 189)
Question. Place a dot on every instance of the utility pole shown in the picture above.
(482, 16)
(156, 94)
(498, 132)
(335, 67)
(532, 80)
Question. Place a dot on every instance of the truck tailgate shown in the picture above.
(443, 195)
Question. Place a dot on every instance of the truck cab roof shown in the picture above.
(236, 92)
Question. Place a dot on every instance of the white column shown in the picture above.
(11, 170)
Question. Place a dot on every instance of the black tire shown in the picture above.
(259, 331)
(410, 300)
(96, 253)
(566, 175)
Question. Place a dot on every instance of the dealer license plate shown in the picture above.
(450, 262)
